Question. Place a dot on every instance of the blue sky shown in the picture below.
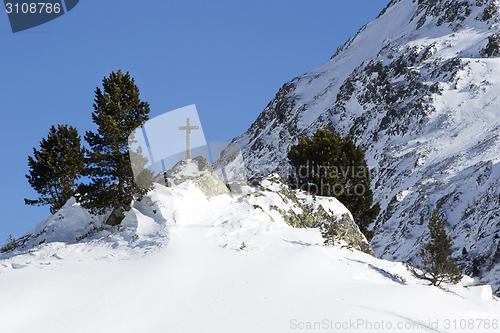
(227, 57)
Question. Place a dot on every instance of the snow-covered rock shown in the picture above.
(200, 172)
(301, 210)
(418, 88)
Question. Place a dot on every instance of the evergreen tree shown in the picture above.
(331, 165)
(437, 266)
(55, 168)
(118, 110)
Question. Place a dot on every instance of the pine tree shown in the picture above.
(55, 168)
(331, 165)
(118, 110)
(437, 266)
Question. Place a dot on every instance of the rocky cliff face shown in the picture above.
(419, 89)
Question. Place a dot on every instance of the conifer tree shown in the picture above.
(331, 165)
(55, 167)
(118, 110)
(437, 266)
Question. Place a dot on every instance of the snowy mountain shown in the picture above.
(419, 89)
(182, 261)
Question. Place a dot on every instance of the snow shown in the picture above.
(403, 194)
(176, 265)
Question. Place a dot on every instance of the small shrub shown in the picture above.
(11, 245)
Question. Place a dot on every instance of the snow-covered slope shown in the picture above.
(184, 263)
(419, 89)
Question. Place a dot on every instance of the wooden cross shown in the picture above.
(188, 129)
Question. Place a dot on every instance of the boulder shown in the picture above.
(200, 172)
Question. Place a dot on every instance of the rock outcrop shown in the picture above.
(302, 210)
(200, 172)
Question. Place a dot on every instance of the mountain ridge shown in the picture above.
(417, 89)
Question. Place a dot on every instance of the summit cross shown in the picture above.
(188, 129)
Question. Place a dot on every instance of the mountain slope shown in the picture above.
(418, 88)
(178, 264)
